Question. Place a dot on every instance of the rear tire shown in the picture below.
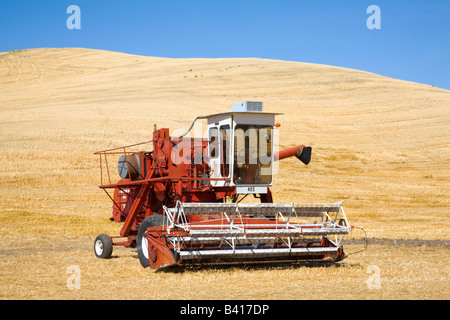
(103, 246)
(155, 220)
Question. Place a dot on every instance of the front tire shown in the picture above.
(155, 220)
(103, 246)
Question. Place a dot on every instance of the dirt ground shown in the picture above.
(380, 144)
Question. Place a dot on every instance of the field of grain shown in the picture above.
(382, 145)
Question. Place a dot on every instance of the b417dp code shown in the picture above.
(246, 309)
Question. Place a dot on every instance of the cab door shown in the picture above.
(220, 137)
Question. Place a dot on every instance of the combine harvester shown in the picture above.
(180, 204)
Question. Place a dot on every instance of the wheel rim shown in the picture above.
(144, 246)
(99, 247)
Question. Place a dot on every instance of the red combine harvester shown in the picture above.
(180, 204)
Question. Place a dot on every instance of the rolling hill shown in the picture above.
(380, 144)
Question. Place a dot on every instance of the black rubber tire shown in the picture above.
(103, 246)
(151, 221)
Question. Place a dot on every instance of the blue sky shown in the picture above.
(413, 42)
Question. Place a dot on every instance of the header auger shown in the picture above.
(181, 203)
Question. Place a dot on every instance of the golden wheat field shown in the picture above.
(382, 145)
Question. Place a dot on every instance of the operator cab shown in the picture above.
(241, 147)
